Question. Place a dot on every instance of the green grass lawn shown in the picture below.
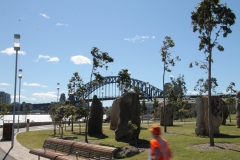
(180, 136)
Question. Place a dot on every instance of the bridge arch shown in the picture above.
(112, 81)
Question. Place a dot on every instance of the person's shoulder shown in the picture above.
(153, 141)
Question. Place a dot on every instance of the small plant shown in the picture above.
(131, 129)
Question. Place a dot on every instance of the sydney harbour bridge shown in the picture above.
(109, 90)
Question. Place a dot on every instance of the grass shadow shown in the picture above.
(99, 136)
(225, 136)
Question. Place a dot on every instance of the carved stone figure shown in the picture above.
(217, 105)
(129, 113)
(96, 117)
(169, 114)
(238, 109)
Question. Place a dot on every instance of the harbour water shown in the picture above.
(23, 118)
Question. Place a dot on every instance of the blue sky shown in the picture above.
(57, 37)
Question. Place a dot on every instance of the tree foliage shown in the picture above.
(155, 109)
(76, 86)
(202, 85)
(178, 100)
(143, 108)
(124, 79)
(4, 108)
(231, 101)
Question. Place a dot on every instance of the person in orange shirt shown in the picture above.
(159, 147)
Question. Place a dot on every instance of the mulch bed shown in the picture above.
(217, 146)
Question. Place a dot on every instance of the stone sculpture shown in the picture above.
(129, 113)
(225, 113)
(115, 114)
(202, 126)
(169, 114)
(238, 109)
(96, 117)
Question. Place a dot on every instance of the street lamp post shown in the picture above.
(20, 77)
(58, 86)
(147, 86)
(16, 48)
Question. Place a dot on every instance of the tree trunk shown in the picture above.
(86, 127)
(72, 123)
(209, 99)
(164, 106)
(230, 113)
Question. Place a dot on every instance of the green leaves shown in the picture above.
(124, 78)
(166, 55)
(4, 108)
(76, 86)
(100, 60)
(212, 16)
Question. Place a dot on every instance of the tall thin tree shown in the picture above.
(100, 60)
(211, 18)
(167, 62)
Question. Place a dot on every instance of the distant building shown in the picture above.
(166, 88)
(62, 97)
(6, 98)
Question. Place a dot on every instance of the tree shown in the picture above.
(229, 99)
(143, 108)
(4, 108)
(53, 113)
(81, 111)
(210, 19)
(76, 86)
(172, 98)
(60, 114)
(167, 62)
(180, 102)
(155, 106)
(124, 79)
(100, 60)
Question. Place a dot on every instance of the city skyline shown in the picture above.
(57, 38)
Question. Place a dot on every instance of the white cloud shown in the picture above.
(10, 51)
(44, 15)
(138, 38)
(4, 84)
(45, 95)
(44, 57)
(62, 24)
(171, 76)
(34, 85)
(79, 59)
(49, 59)
(24, 98)
(53, 59)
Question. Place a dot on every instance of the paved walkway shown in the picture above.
(18, 152)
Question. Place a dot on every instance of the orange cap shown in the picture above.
(155, 129)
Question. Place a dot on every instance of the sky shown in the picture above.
(57, 38)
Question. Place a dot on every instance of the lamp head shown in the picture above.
(17, 42)
(20, 73)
